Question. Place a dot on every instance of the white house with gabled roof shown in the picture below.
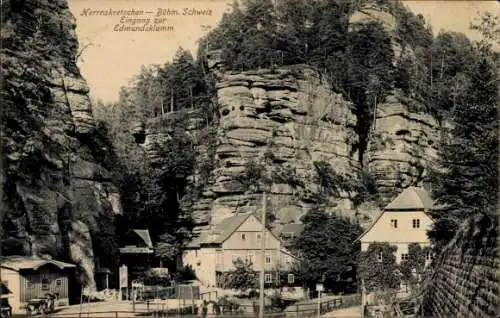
(237, 237)
(402, 222)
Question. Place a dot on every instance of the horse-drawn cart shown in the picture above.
(43, 305)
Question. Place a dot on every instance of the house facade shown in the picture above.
(237, 237)
(30, 278)
(402, 222)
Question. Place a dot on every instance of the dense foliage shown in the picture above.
(157, 194)
(326, 251)
(378, 268)
(242, 278)
(466, 181)
(415, 266)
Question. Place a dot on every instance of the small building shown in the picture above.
(135, 253)
(402, 222)
(237, 237)
(33, 277)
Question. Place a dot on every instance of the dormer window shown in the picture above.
(394, 223)
(416, 223)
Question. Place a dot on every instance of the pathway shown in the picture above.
(350, 312)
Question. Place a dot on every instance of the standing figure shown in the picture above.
(204, 310)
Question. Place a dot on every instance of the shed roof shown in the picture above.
(412, 198)
(17, 263)
(144, 235)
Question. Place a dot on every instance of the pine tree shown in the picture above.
(468, 182)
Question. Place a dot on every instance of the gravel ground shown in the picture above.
(350, 312)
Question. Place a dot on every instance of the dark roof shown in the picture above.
(144, 235)
(103, 271)
(221, 232)
(412, 198)
(294, 228)
(17, 263)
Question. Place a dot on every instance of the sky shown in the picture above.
(111, 57)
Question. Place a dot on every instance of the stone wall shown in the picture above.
(466, 281)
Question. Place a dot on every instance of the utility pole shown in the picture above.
(263, 256)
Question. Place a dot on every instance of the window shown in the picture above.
(394, 223)
(45, 284)
(379, 257)
(268, 259)
(416, 223)
(291, 278)
(258, 237)
(404, 256)
(250, 257)
(58, 282)
(243, 236)
(268, 278)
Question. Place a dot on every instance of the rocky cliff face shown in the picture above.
(55, 191)
(402, 146)
(403, 140)
(292, 113)
(288, 112)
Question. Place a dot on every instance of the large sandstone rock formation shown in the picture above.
(402, 146)
(54, 190)
(289, 112)
(292, 113)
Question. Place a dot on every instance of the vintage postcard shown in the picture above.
(249, 158)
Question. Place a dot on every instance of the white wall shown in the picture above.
(403, 235)
(13, 283)
(203, 262)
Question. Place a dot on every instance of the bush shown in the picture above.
(152, 278)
